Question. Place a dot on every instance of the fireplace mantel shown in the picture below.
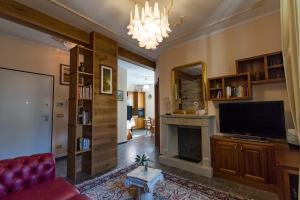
(169, 142)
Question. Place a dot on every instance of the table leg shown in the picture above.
(142, 195)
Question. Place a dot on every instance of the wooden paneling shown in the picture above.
(104, 151)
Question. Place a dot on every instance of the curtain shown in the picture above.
(290, 30)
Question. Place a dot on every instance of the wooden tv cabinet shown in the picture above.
(247, 162)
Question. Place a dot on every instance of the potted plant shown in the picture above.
(142, 160)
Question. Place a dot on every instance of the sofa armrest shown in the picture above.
(80, 197)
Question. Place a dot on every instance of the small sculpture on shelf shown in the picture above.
(82, 67)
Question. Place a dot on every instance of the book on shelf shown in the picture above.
(239, 91)
(83, 144)
(219, 95)
(83, 116)
(85, 92)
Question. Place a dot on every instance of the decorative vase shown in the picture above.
(146, 166)
(82, 67)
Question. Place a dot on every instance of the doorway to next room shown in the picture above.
(136, 102)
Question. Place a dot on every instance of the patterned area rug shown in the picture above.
(111, 187)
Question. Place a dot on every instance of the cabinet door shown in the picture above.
(130, 98)
(254, 162)
(141, 100)
(226, 157)
(141, 123)
(135, 100)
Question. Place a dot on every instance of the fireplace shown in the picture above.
(189, 144)
(185, 142)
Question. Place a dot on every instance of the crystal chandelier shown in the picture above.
(150, 27)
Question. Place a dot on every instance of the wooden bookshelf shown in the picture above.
(267, 68)
(239, 85)
(80, 112)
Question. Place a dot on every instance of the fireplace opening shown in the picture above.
(190, 144)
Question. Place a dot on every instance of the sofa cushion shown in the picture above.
(57, 189)
(24, 172)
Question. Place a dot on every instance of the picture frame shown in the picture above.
(120, 95)
(65, 75)
(106, 86)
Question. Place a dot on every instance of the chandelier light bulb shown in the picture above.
(149, 27)
(136, 13)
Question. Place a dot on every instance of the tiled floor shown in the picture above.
(145, 144)
(138, 133)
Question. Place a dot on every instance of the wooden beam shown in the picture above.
(130, 56)
(19, 13)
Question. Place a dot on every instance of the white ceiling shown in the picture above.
(111, 17)
(20, 31)
(137, 75)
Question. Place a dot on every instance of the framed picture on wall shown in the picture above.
(120, 95)
(106, 80)
(65, 75)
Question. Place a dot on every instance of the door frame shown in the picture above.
(53, 81)
(157, 114)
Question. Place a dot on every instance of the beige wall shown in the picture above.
(220, 50)
(33, 57)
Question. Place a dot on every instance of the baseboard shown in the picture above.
(61, 158)
(259, 185)
(122, 142)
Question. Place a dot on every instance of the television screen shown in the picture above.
(262, 119)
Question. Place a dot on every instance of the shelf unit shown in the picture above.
(239, 85)
(80, 112)
(267, 68)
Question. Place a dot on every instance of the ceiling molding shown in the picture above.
(127, 42)
(259, 3)
(220, 30)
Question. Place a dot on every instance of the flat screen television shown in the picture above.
(261, 119)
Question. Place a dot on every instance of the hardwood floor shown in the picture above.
(128, 151)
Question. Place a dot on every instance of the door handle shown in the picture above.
(241, 148)
(235, 147)
(45, 118)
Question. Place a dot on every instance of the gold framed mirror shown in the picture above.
(189, 95)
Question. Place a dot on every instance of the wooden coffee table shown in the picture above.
(145, 181)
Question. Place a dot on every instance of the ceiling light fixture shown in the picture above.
(150, 27)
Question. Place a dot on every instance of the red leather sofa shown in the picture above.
(33, 178)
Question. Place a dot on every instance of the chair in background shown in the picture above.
(150, 126)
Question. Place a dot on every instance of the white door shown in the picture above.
(25, 113)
